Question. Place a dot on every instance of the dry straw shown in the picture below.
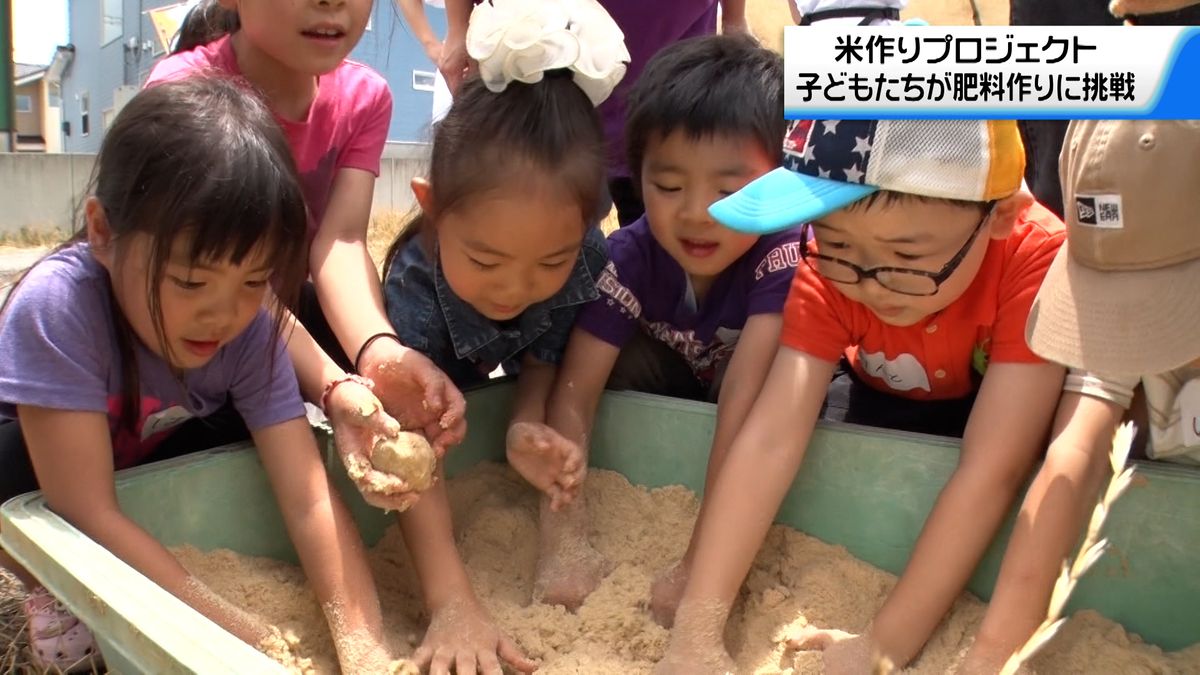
(1090, 551)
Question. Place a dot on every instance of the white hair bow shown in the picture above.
(519, 40)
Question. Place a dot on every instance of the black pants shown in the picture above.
(652, 367)
(221, 428)
(849, 399)
(312, 317)
(1043, 139)
(625, 198)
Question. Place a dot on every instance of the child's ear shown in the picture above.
(1006, 211)
(423, 191)
(99, 232)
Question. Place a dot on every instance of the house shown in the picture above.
(37, 107)
(116, 45)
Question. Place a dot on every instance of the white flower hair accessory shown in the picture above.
(519, 40)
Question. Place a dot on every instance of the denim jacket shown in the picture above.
(430, 318)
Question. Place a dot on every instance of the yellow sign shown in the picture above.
(167, 21)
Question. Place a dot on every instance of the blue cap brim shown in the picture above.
(782, 199)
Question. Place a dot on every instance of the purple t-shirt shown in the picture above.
(644, 286)
(648, 25)
(58, 349)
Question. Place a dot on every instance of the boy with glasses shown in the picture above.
(923, 259)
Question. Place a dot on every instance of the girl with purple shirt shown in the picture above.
(141, 337)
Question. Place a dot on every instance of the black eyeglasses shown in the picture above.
(897, 279)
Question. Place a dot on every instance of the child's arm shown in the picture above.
(71, 452)
(533, 390)
(743, 380)
(460, 630)
(413, 390)
(542, 456)
(414, 16)
(587, 363)
(733, 17)
(327, 541)
(757, 472)
(1054, 512)
(454, 48)
(1004, 434)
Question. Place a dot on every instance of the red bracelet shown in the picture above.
(358, 379)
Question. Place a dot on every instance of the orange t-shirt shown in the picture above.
(936, 357)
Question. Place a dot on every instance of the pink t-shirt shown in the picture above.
(346, 128)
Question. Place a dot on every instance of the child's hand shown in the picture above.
(844, 653)
(462, 637)
(416, 392)
(691, 657)
(358, 418)
(546, 459)
(360, 653)
(696, 646)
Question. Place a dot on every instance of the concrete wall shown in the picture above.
(40, 192)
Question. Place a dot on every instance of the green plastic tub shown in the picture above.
(865, 489)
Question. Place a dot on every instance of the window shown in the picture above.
(24, 103)
(423, 80)
(85, 103)
(111, 21)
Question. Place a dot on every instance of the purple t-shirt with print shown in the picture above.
(643, 286)
(58, 349)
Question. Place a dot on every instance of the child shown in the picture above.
(1118, 306)
(648, 28)
(153, 316)
(688, 308)
(506, 250)
(924, 260)
(336, 114)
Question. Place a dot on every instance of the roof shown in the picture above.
(25, 73)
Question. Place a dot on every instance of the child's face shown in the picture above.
(681, 178)
(204, 307)
(506, 250)
(307, 36)
(905, 234)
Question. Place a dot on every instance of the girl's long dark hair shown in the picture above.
(204, 23)
(200, 158)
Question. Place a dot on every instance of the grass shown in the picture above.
(1091, 550)
(31, 237)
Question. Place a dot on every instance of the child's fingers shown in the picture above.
(384, 424)
(515, 657)
(422, 657)
(811, 637)
(556, 497)
(573, 461)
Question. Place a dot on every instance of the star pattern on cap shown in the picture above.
(837, 150)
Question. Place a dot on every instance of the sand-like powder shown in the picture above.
(795, 580)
